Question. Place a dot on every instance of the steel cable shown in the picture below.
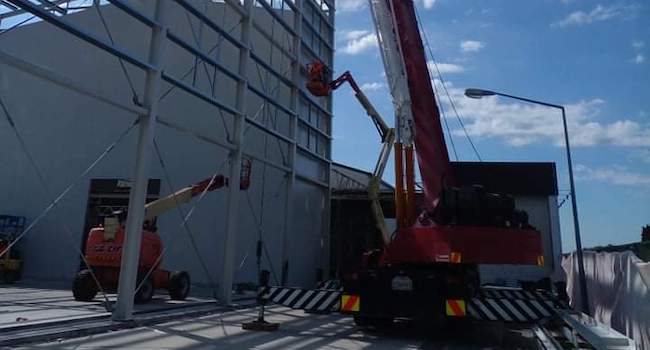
(189, 71)
(136, 99)
(444, 119)
(57, 199)
(260, 234)
(185, 217)
(257, 113)
(46, 8)
(444, 86)
(198, 60)
(265, 84)
(211, 80)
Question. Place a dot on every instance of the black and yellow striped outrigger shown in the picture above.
(491, 304)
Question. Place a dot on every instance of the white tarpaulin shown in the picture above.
(619, 291)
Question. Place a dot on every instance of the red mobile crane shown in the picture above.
(430, 268)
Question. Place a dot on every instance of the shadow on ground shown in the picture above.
(297, 331)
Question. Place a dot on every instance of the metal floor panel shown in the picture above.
(32, 303)
(298, 330)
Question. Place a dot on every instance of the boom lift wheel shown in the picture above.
(179, 285)
(146, 291)
(10, 276)
(374, 322)
(83, 286)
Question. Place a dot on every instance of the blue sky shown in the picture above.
(591, 56)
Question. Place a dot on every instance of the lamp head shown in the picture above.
(478, 93)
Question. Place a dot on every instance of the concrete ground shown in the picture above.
(28, 307)
(35, 302)
(297, 331)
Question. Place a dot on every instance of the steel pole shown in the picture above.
(576, 225)
(133, 236)
(293, 132)
(584, 295)
(232, 211)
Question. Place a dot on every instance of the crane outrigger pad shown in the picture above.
(310, 300)
(491, 304)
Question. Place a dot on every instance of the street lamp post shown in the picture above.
(479, 93)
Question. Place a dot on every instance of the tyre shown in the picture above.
(10, 276)
(179, 285)
(146, 291)
(374, 322)
(14, 254)
(83, 286)
(360, 321)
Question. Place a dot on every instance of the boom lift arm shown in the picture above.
(319, 85)
(184, 195)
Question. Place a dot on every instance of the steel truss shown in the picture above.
(253, 16)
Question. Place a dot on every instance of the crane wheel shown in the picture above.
(360, 321)
(83, 286)
(374, 322)
(10, 276)
(179, 285)
(146, 291)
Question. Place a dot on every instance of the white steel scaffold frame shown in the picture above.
(54, 13)
(232, 208)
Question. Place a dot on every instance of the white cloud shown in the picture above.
(358, 41)
(597, 14)
(471, 46)
(639, 58)
(356, 5)
(445, 68)
(355, 34)
(429, 3)
(637, 46)
(350, 5)
(520, 124)
(615, 175)
(643, 155)
(374, 86)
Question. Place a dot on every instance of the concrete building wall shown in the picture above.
(65, 131)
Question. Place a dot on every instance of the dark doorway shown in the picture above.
(353, 231)
(107, 196)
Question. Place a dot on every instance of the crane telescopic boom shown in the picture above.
(416, 113)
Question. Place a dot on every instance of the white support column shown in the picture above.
(327, 218)
(232, 211)
(132, 240)
(293, 134)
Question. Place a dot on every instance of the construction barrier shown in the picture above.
(513, 305)
(310, 300)
(491, 304)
